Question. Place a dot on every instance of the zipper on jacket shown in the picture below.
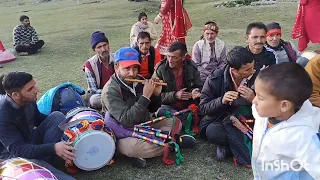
(264, 134)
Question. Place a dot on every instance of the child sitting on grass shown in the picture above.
(286, 141)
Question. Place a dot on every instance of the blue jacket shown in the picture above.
(16, 126)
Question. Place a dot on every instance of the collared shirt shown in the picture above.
(91, 80)
(16, 128)
(29, 113)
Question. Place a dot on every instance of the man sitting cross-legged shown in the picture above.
(148, 55)
(209, 52)
(182, 77)
(25, 38)
(228, 92)
(24, 131)
(131, 103)
(98, 69)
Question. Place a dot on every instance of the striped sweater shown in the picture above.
(23, 35)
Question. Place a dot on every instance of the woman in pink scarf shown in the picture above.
(307, 26)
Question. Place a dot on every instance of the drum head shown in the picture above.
(94, 149)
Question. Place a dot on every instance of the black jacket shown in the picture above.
(191, 79)
(265, 58)
(218, 83)
(16, 126)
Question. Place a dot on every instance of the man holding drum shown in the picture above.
(24, 131)
(130, 103)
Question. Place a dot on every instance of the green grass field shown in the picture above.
(66, 28)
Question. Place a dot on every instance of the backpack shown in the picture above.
(65, 99)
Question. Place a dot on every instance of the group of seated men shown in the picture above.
(212, 79)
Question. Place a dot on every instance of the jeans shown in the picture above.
(49, 132)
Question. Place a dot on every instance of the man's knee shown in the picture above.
(19, 49)
(168, 124)
(56, 117)
(95, 101)
(133, 147)
(216, 134)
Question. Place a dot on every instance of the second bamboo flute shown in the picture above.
(142, 81)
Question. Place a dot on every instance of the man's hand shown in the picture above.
(158, 88)
(65, 150)
(148, 88)
(183, 95)
(247, 93)
(229, 97)
(195, 93)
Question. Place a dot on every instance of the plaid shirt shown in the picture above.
(24, 35)
(92, 83)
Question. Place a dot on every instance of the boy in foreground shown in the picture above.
(286, 141)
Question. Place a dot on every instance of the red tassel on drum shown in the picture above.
(195, 125)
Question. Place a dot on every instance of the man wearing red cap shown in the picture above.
(131, 103)
(285, 51)
(209, 52)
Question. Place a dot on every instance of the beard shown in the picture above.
(28, 99)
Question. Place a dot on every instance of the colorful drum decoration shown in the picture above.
(22, 169)
(77, 114)
(93, 141)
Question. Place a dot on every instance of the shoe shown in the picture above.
(186, 141)
(23, 54)
(138, 162)
(222, 152)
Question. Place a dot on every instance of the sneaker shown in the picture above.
(222, 152)
(186, 141)
(23, 54)
(138, 162)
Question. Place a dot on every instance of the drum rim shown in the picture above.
(86, 133)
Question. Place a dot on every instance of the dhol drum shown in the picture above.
(94, 142)
(309, 54)
(22, 169)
